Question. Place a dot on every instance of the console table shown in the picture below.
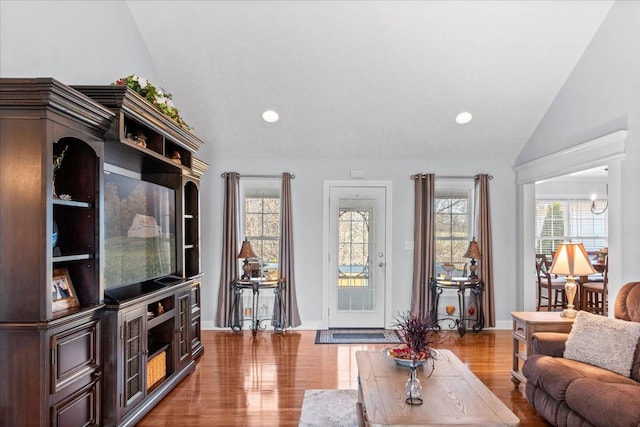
(460, 285)
(278, 287)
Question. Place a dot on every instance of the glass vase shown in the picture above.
(413, 388)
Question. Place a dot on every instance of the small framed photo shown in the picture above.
(63, 294)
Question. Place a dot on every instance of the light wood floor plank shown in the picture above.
(241, 381)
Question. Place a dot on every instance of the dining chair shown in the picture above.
(549, 288)
(594, 293)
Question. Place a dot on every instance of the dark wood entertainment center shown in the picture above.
(112, 353)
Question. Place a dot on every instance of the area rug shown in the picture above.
(329, 408)
(357, 336)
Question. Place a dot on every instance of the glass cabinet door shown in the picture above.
(134, 356)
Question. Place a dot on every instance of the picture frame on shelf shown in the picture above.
(63, 294)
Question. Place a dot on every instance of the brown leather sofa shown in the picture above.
(574, 394)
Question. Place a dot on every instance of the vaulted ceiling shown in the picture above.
(366, 79)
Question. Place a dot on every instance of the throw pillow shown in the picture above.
(600, 341)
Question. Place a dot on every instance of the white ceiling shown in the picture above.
(365, 79)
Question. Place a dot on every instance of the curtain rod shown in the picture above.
(452, 176)
(258, 176)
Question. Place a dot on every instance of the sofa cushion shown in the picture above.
(604, 342)
(546, 406)
(555, 374)
(627, 305)
(549, 343)
(550, 374)
(600, 403)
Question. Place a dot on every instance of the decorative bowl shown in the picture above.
(410, 362)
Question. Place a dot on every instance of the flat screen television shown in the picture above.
(139, 229)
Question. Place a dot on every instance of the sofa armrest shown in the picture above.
(549, 343)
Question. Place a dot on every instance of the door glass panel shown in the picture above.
(356, 287)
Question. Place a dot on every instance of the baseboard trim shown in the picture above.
(315, 325)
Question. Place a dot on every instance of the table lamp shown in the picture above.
(246, 252)
(473, 252)
(571, 260)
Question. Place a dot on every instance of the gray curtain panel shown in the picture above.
(285, 260)
(423, 244)
(229, 263)
(485, 265)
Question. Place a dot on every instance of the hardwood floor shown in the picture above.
(261, 382)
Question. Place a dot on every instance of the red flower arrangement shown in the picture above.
(417, 333)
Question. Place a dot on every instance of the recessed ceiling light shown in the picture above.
(270, 116)
(464, 118)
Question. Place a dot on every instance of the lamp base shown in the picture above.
(570, 290)
(247, 269)
(473, 277)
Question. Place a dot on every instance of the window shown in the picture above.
(454, 213)
(260, 214)
(569, 220)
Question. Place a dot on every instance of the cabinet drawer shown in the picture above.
(75, 354)
(520, 329)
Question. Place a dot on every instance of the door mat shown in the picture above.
(357, 336)
(329, 408)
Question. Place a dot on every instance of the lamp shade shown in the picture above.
(571, 260)
(245, 250)
(473, 251)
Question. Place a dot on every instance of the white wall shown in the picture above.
(307, 198)
(97, 42)
(75, 42)
(601, 96)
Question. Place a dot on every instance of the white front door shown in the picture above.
(357, 257)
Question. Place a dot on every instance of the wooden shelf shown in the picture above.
(157, 350)
(135, 115)
(69, 258)
(157, 320)
(72, 203)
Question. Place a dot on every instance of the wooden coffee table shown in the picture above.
(452, 395)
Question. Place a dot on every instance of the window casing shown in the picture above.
(453, 215)
(563, 220)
